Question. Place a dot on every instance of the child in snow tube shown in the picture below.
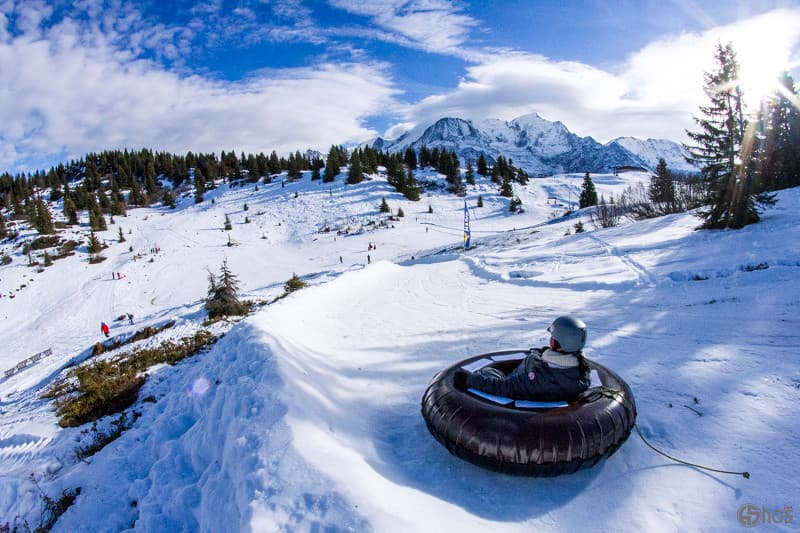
(551, 373)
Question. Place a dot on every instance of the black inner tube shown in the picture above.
(535, 441)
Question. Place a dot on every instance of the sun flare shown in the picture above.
(761, 63)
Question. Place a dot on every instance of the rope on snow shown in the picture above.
(745, 474)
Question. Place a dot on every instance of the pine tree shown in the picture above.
(55, 192)
(400, 212)
(424, 157)
(70, 211)
(199, 186)
(506, 188)
(588, 196)
(168, 199)
(395, 173)
(102, 199)
(410, 158)
(94, 245)
(274, 164)
(121, 235)
(778, 141)
(222, 294)
(384, 208)
(470, 177)
(136, 197)
(44, 221)
(117, 206)
(480, 201)
(96, 219)
(355, 175)
(3, 229)
(333, 164)
(150, 177)
(228, 225)
(726, 171)
(482, 169)
(410, 187)
(294, 284)
(661, 191)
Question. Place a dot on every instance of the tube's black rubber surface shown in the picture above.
(525, 441)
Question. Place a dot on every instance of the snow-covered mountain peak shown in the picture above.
(537, 145)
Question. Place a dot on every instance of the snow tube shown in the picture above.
(529, 438)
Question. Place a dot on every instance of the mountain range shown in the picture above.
(538, 146)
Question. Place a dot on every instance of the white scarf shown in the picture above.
(564, 360)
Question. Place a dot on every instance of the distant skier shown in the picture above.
(130, 317)
(369, 259)
(104, 328)
(340, 259)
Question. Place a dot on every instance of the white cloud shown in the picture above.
(70, 93)
(433, 25)
(654, 94)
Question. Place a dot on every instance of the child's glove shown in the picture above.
(460, 379)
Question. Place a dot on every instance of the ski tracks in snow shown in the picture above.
(642, 273)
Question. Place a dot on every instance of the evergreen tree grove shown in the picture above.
(778, 138)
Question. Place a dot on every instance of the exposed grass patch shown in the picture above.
(45, 241)
(753, 268)
(103, 438)
(103, 388)
(52, 509)
(144, 333)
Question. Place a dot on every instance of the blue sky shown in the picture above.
(258, 75)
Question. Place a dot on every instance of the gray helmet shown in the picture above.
(570, 332)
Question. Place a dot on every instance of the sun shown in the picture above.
(761, 63)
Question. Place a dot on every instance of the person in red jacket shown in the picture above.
(104, 328)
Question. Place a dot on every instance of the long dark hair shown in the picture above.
(583, 366)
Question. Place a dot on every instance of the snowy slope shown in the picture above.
(539, 146)
(305, 415)
(651, 150)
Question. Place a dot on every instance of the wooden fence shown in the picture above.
(29, 361)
